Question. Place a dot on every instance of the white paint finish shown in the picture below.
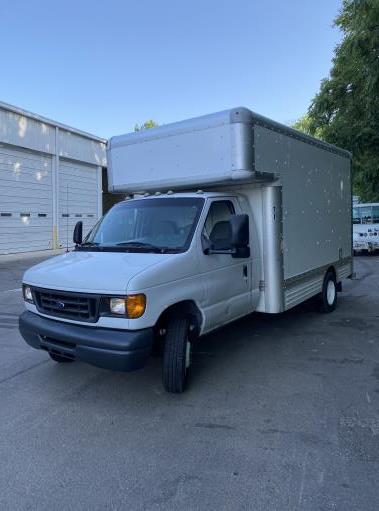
(92, 272)
(227, 289)
(78, 197)
(251, 200)
(246, 200)
(162, 162)
(165, 278)
(197, 152)
(54, 191)
(215, 283)
(20, 130)
(174, 279)
(30, 146)
(99, 192)
(366, 236)
(219, 156)
(49, 122)
(25, 187)
(31, 132)
(76, 147)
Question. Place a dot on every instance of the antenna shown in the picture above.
(67, 219)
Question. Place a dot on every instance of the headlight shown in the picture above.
(28, 295)
(132, 306)
(117, 306)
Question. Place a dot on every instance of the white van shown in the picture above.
(227, 214)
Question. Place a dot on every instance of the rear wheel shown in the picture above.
(59, 358)
(329, 293)
(176, 355)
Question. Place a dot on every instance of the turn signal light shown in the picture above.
(135, 305)
(132, 306)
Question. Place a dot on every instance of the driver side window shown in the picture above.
(216, 229)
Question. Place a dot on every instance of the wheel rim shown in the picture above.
(330, 292)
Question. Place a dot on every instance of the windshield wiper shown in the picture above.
(136, 244)
(89, 244)
(125, 245)
(141, 244)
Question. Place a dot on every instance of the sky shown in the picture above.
(103, 66)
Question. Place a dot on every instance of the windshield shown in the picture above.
(158, 225)
(366, 214)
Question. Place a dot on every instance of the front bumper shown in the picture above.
(119, 350)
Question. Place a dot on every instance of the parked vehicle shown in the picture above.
(269, 228)
(366, 228)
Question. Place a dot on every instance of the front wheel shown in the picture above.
(176, 355)
(329, 293)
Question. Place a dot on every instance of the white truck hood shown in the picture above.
(94, 272)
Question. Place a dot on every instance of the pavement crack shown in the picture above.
(340, 361)
(23, 371)
(211, 425)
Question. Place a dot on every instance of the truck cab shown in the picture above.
(147, 262)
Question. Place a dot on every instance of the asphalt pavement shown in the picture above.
(282, 413)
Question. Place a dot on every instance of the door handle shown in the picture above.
(244, 270)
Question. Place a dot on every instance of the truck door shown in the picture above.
(227, 281)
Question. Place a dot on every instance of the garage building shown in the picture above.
(50, 177)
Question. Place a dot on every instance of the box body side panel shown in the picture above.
(188, 159)
(316, 195)
(267, 259)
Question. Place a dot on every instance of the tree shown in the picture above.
(305, 125)
(146, 125)
(345, 111)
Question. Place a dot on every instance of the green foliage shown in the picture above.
(345, 111)
(146, 125)
(305, 125)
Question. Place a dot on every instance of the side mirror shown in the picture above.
(239, 242)
(78, 233)
(239, 225)
(229, 237)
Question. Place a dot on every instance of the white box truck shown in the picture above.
(226, 214)
(366, 227)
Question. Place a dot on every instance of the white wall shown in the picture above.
(48, 141)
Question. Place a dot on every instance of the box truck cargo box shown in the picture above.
(228, 214)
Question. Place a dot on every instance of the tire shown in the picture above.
(59, 358)
(329, 293)
(176, 355)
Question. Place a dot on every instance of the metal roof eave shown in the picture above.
(50, 122)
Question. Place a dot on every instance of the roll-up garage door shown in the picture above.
(78, 199)
(26, 221)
